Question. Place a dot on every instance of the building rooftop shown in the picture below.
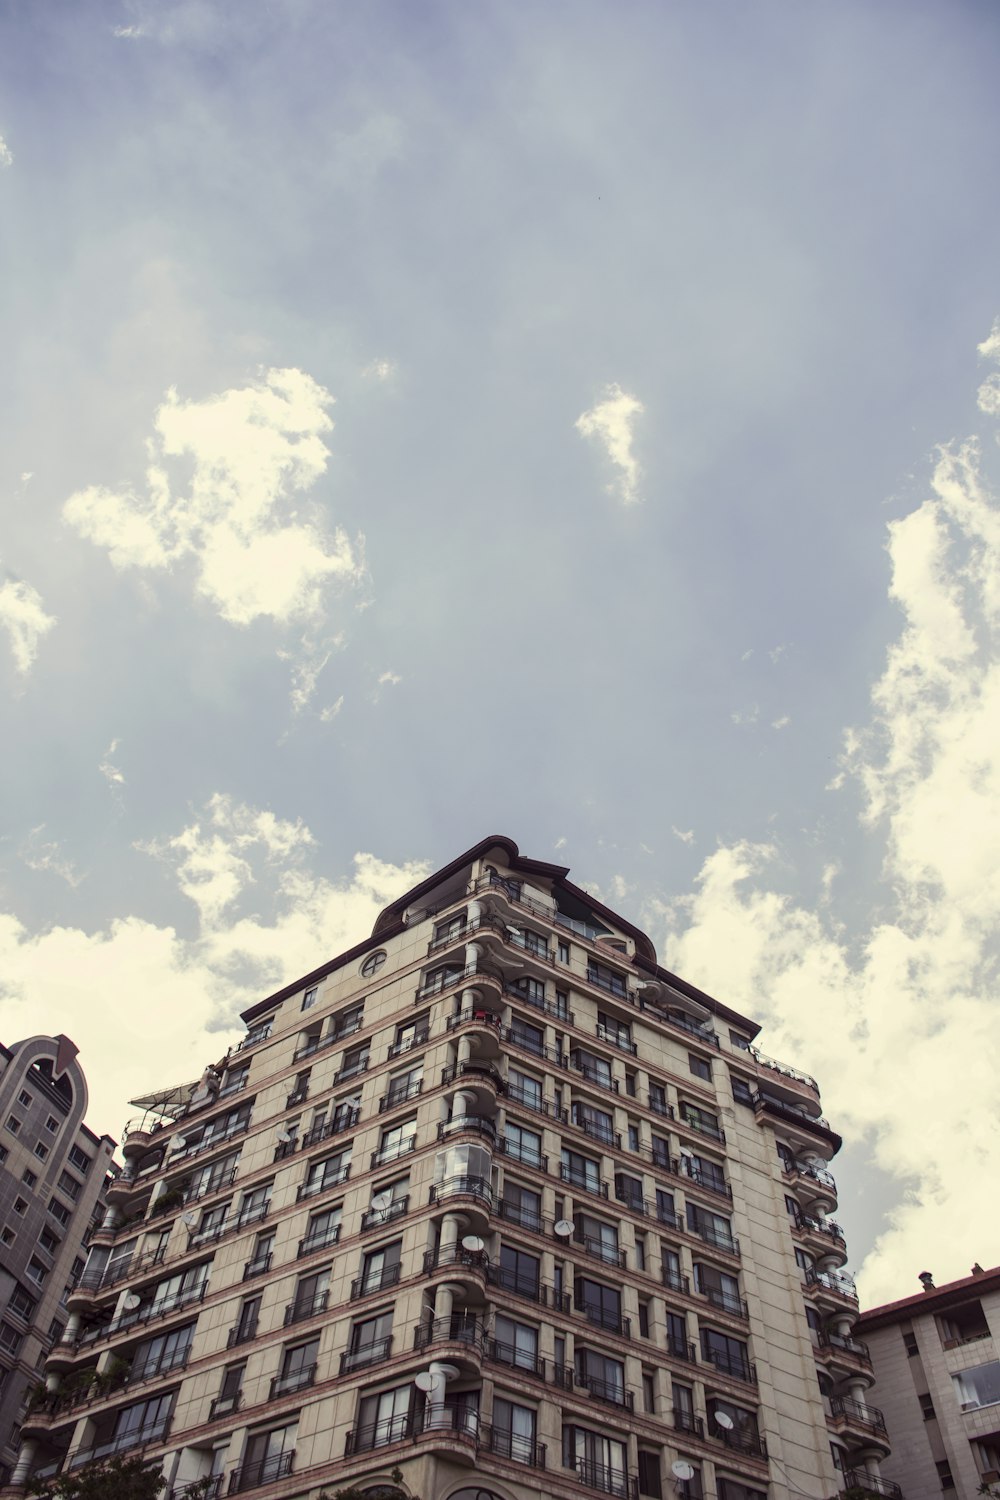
(934, 1299)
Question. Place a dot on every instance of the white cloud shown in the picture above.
(6, 155)
(131, 33)
(686, 836)
(379, 369)
(610, 421)
(989, 391)
(747, 716)
(148, 1007)
(23, 616)
(258, 549)
(45, 857)
(389, 679)
(331, 710)
(112, 775)
(560, 843)
(782, 722)
(902, 1032)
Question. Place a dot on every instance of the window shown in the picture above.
(733, 1425)
(665, 1209)
(727, 1354)
(380, 1268)
(56, 1331)
(597, 1123)
(311, 1296)
(327, 1173)
(323, 1230)
(628, 1190)
(721, 1289)
(25, 1099)
(348, 1021)
(979, 1386)
(524, 1035)
(524, 1089)
(20, 1206)
(521, 1205)
(21, 1305)
(41, 1150)
(927, 1407)
(68, 1184)
(633, 1138)
(298, 1368)
(79, 1159)
(48, 1241)
(742, 1092)
(735, 1489)
(606, 979)
(373, 962)
(310, 997)
(258, 1032)
(513, 1430)
(383, 1418)
(644, 1319)
(397, 1140)
(741, 1043)
(522, 1144)
(168, 1351)
(580, 1171)
(599, 1238)
(596, 1069)
(599, 1461)
(519, 1272)
(7, 1236)
(563, 952)
(436, 980)
(515, 1343)
(601, 1375)
(268, 1456)
(448, 930)
(618, 1033)
(355, 1061)
(13, 1124)
(700, 1067)
(410, 1034)
(370, 1342)
(944, 1474)
(602, 1305)
(28, 1177)
(256, 1203)
(52, 1124)
(648, 1392)
(10, 1339)
(36, 1272)
(910, 1344)
(235, 1080)
(649, 1472)
(246, 1322)
(714, 1229)
(658, 1102)
(231, 1389)
(260, 1260)
(704, 1171)
(701, 1120)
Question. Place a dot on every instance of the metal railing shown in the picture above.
(456, 1329)
(617, 1482)
(611, 1392)
(310, 1243)
(513, 1445)
(528, 1156)
(375, 1218)
(462, 1187)
(366, 1354)
(306, 1307)
(375, 1281)
(400, 1095)
(264, 1471)
(728, 1364)
(871, 1484)
(297, 1380)
(392, 1151)
(858, 1412)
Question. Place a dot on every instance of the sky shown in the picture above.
(571, 421)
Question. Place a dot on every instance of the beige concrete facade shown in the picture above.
(937, 1365)
(490, 1206)
(52, 1179)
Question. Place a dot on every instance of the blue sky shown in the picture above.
(573, 421)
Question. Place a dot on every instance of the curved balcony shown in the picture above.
(481, 1077)
(462, 1125)
(451, 1427)
(812, 1125)
(138, 1139)
(844, 1357)
(814, 1186)
(454, 1263)
(475, 1194)
(834, 1290)
(859, 1482)
(861, 1426)
(459, 1339)
(472, 977)
(485, 1025)
(824, 1238)
(124, 1189)
(782, 1077)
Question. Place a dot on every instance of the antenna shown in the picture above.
(132, 1301)
(723, 1420)
(424, 1382)
(473, 1243)
(682, 1470)
(563, 1228)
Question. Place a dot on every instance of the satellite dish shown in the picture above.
(564, 1227)
(424, 1382)
(132, 1301)
(680, 1469)
(190, 1218)
(723, 1420)
(514, 931)
(473, 1243)
(179, 1142)
(380, 1201)
(284, 1137)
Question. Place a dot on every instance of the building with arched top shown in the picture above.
(52, 1178)
(489, 1206)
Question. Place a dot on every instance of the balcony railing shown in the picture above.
(526, 1361)
(477, 1072)
(365, 1355)
(257, 1267)
(609, 1254)
(224, 1406)
(660, 1106)
(619, 1039)
(476, 1124)
(296, 1380)
(375, 1218)
(720, 1238)
(841, 1283)
(407, 1043)
(611, 1392)
(598, 1076)
(728, 1364)
(156, 1432)
(323, 1241)
(526, 1154)
(252, 1476)
(686, 1421)
(524, 1216)
(856, 1412)
(342, 1120)
(462, 1187)
(557, 1009)
(858, 1481)
(784, 1070)
(735, 1306)
(703, 1125)
(528, 1287)
(457, 1420)
(605, 1317)
(456, 1329)
(392, 1151)
(582, 1182)
(324, 1183)
(709, 1182)
(351, 1070)
(675, 1280)
(400, 1095)
(198, 1489)
(512, 1445)
(455, 1255)
(375, 1281)
(306, 1307)
(740, 1440)
(609, 1481)
(147, 1313)
(838, 1341)
(597, 1131)
(474, 1017)
(612, 984)
(535, 1103)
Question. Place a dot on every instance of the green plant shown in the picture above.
(36, 1395)
(116, 1478)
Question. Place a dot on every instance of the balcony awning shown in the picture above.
(171, 1102)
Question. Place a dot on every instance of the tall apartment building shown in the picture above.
(488, 1206)
(52, 1177)
(937, 1367)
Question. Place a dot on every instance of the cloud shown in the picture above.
(989, 391)
(610, 421)
(686, 837)
(45, 857)
(112, 775)
(23, 616)
(380, 369)
(560, 843)
(331, 711)
(6, 155)
(901, 1030)
(747, 716)
(258, 548)
(782, 722)
(131, 33)
(389, 678)
(149, 1007)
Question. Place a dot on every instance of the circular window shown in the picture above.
(373, 963)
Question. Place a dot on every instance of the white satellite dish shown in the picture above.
(179, 1142)
(564, 1227)
(724, 1420)
(284, 1137)
(424, 1382)
(473, 1243)
(682, 1470)
(132, 1301)
(190, 1218)
(514, 931)
(380, 1201)
(686, 1152)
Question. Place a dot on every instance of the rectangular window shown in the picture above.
(563, 952)
(601, 1305)
(298, 1368)
(649, 1472)
(599, 1461)
(410, 1034)
(21, 1305)
(521, 1205)
(327, 1173)
(658, 1100)
(355, 1061)
(36, 1272)
(909, 1343)
(20, 1205)
(235, 1081)
(700, 1067)
(310, 997)
(701, 1120)
(370, 1342)
(10, 1339)
(383, 1418)
(311, 1296)
(52, 1124)
(515, 1343)
(514, 1430)
(580, 1171)
(519, 1272)
(944, 1474)
(13, 1124)
(979, 1386)
(742, 1092)
(25, 1099)
(704, 1171)
(48, 1241)
(739, 1042)
(524, 1089)
(41, 1150)
(380, 1269)
(28, 1177)
(927, 1407)
(727, 1354)
(323, 1230)
(522, 1144)
(529, 1038)
(68, 1184)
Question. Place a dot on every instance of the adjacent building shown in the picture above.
(937, 1365)
(52, 1178)
(490, 1205)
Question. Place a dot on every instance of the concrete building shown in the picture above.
(52, 1177)
(937, 1366)
(488, 1206)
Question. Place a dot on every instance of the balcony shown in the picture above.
(471, 975)
(392, 1151)
(582, 1182)
(306, 1307)
(376, 1218)
(224, 1406)
(526, 1362)
(660, 1107)
(375, 1281)
(342, 1120)
(455, 1255)
(257, 1267)
(598, 1250)
(591, 1071)
(146, 1314)
(675, 1281)
(242, 1333)
(298, 1380)
(462, 1187)
(311, 1243)
(686, 1421)
(702, 1125)
(848, 1351)
(407, 1043)
(474, 1018)
(794, 1114)
(726, 1302)
(707, 1181)
(597, 1131)
(840, 1283)
(158, 1432)
(727, 1364)
(605, 1317)
(747, 1441)
(618, 1039)
(351, 1070)
(530, 1044)
(324, 1184)
(720, 1239)
(226, 1227)
(609, 1481)
(611, 984)
(366, 1355)
(467, 1124)
(265, 1471)
(456, 1329)
(535, 1103)
(299, 1096)
(476, 1072)
(209, 1488)
(611, 1392)
(857, 1415)
(527, 1155)
(453, 1420)
(400, 1095)
(557, 1009)
(530, 1289)
(858, 1482)
(511, 1445)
